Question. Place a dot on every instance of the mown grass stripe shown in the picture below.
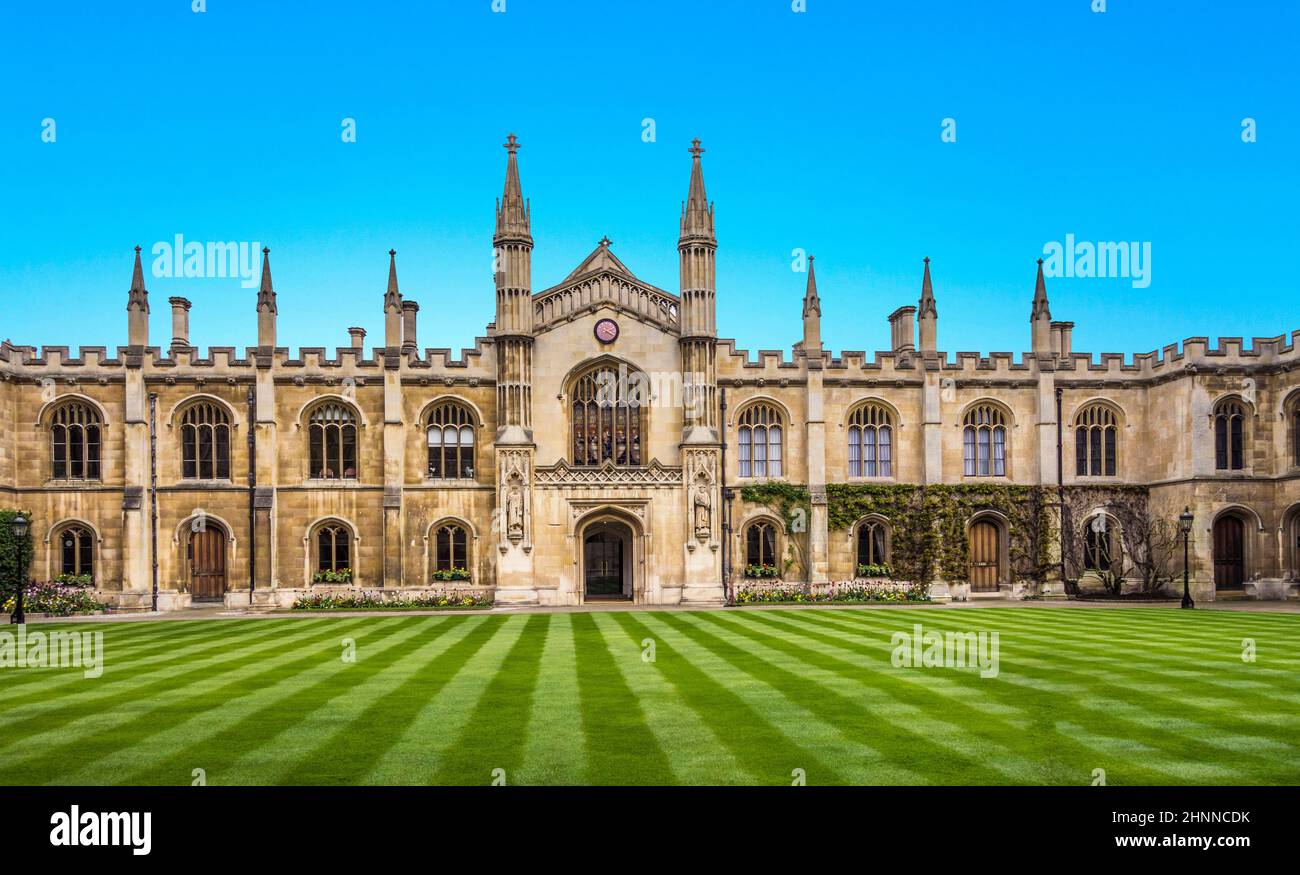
(497, 731)
(1157, 758)
(93, 742)
(695, 752)
(619, 745)
(367, 736)
(116, 669)
(225, 734)
(969, 742)
(553, 749)
(762, 749)
(105, 695)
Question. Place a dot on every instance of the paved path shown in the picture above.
(220, 612)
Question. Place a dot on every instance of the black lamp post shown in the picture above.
(19, 527)
(1185, 525)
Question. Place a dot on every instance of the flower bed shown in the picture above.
(840, 592)
(364, 600)
(56, 599)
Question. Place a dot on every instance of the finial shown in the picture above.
(605, 242)
(1040, 262)
(511, 144)
(926, 259)
(137, 249)
(392, 253)
(266, 250)
(695, 148)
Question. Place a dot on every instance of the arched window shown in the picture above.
(871, 442)
(333, 548)
(1295, 429)
(984, 442)
(205, 442)
(761, 441)
(1229, 439)
(333, 437)
(607, 418)
(1096, 436)
(451, 442)
(451, 552)
(75, 442)
(873, 543)
(1098, 544)
(760, 547)
(76, 551)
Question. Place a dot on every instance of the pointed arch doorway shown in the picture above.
(206, 555)
(607, 561)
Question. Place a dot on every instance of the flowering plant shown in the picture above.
(366, 600)
(51, 597)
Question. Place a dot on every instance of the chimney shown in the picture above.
(1061, 341)
(409, 309)
(358, 336)
(180, 323)
(902, 330)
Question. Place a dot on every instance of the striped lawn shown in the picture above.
(1149, 696)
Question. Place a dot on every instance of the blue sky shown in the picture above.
(822, 132)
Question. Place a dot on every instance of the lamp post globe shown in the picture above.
(19, 525)
(1185, 526)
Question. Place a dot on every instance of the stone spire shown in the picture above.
(927, 314)
(514, 215)
(1040, 318)
(392, 306)
(137, 307)
(812, 314)
(697, 249)
(266, 309)
(697, 212)
(512, 247)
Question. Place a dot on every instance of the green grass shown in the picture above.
(1150, 696)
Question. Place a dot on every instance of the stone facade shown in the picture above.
(546, 516)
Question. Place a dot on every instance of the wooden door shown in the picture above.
(208, 564)
(1229, 553)
(984, 557)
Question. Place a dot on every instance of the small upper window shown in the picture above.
(75, 432)
(1096, 435)
(205, 442)
(1229, 435)
(984, 442)
(761, 441)
(333, 438)
(871, 442)
(450, 435)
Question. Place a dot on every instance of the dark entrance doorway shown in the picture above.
(1229, 552)
(985, 550)
(207, 555)
(606, 560)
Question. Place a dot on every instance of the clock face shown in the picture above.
(607, 331)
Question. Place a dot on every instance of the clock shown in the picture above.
(606, 331)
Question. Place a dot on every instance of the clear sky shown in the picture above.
(822, 130)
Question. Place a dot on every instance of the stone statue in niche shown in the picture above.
(703, 508)
(515, 512)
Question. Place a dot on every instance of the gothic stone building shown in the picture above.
(515, 468)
